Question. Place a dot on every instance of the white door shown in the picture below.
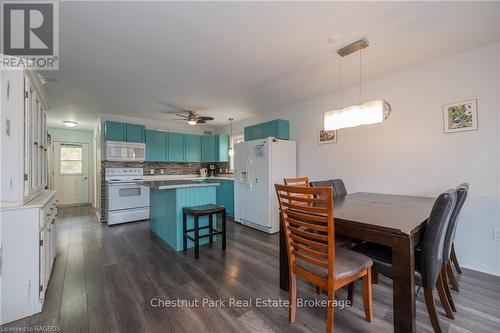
(71, 165)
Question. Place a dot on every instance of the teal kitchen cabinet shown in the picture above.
(278, 128)
(193, 148)
(156, 146)
(215, 148)
(115, 131)
(222, 148)
(176, 147)
(225, 195)
(208, 148)
(135, 133)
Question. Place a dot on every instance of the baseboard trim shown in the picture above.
(480, 268)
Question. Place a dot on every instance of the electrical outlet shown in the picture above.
(496, 234)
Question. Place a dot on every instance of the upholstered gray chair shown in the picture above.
(340, 240)
(429, 260)
(447, 273)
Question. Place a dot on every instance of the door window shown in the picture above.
(71, 160)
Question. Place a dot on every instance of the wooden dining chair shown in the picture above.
(308, 224)
(429, 259)
(299, 181)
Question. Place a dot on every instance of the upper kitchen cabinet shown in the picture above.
(135, 133)
(222, 148)
(176, 147)
(193, 148)
(215, 148)
(24, 137)
(208, 148)
(117, 131)
(156, 146)
(277, 128)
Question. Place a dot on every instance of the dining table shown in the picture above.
(396, 221)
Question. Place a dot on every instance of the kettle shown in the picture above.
(203, 172)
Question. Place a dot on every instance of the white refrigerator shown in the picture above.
(258, 165)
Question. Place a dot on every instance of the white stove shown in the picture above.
(123, 174)
(128, 200)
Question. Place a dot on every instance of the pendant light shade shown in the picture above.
(368, 113)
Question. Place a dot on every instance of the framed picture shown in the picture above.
(460, 117)
(326, 136)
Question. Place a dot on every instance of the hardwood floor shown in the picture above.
(105, 277)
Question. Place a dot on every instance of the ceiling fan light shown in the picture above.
(191, 122)
(371, 112)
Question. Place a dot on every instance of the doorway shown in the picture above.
(70, 171)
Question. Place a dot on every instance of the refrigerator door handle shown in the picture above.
(249, 174)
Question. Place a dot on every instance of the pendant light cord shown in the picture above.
(340, 79)
(360, 76)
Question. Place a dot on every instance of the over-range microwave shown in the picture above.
(125, 151)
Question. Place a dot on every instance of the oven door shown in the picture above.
(127, 196)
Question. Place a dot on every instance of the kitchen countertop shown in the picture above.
(177, 183)
(147, 177)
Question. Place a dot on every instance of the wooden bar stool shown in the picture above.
(197, 212)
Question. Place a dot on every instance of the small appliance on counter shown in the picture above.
(212, 171)
(127, 200)
(203, 172)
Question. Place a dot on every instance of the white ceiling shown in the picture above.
(240, 59)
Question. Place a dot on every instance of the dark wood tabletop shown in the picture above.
(396, 221)
(398, 214)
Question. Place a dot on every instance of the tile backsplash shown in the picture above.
(169, 168)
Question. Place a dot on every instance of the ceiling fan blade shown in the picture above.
(181, 115)
(200, 121)
(206, 118)
(180, 119)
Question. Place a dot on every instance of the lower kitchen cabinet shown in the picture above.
(225, 194)
(28, 242)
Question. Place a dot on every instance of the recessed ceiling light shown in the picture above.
(69, 123)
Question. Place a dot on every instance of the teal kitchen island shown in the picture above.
(168, 198)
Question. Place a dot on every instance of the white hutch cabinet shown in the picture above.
(27, 210)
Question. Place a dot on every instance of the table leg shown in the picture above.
(403, 275)
(284, 278)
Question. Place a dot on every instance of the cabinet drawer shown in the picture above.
(49, 212)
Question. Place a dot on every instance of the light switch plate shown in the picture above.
(496, 234)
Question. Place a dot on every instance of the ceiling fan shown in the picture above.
(191, 117)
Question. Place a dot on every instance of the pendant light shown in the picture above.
(371, 112)
(231, 151)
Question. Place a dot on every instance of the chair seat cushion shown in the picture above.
(347, 263)
(382, 259)
(203, 210)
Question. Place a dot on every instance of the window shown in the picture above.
(71, 160)
(235, 139)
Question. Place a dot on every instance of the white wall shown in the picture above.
(72, 135)
(410, 154)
